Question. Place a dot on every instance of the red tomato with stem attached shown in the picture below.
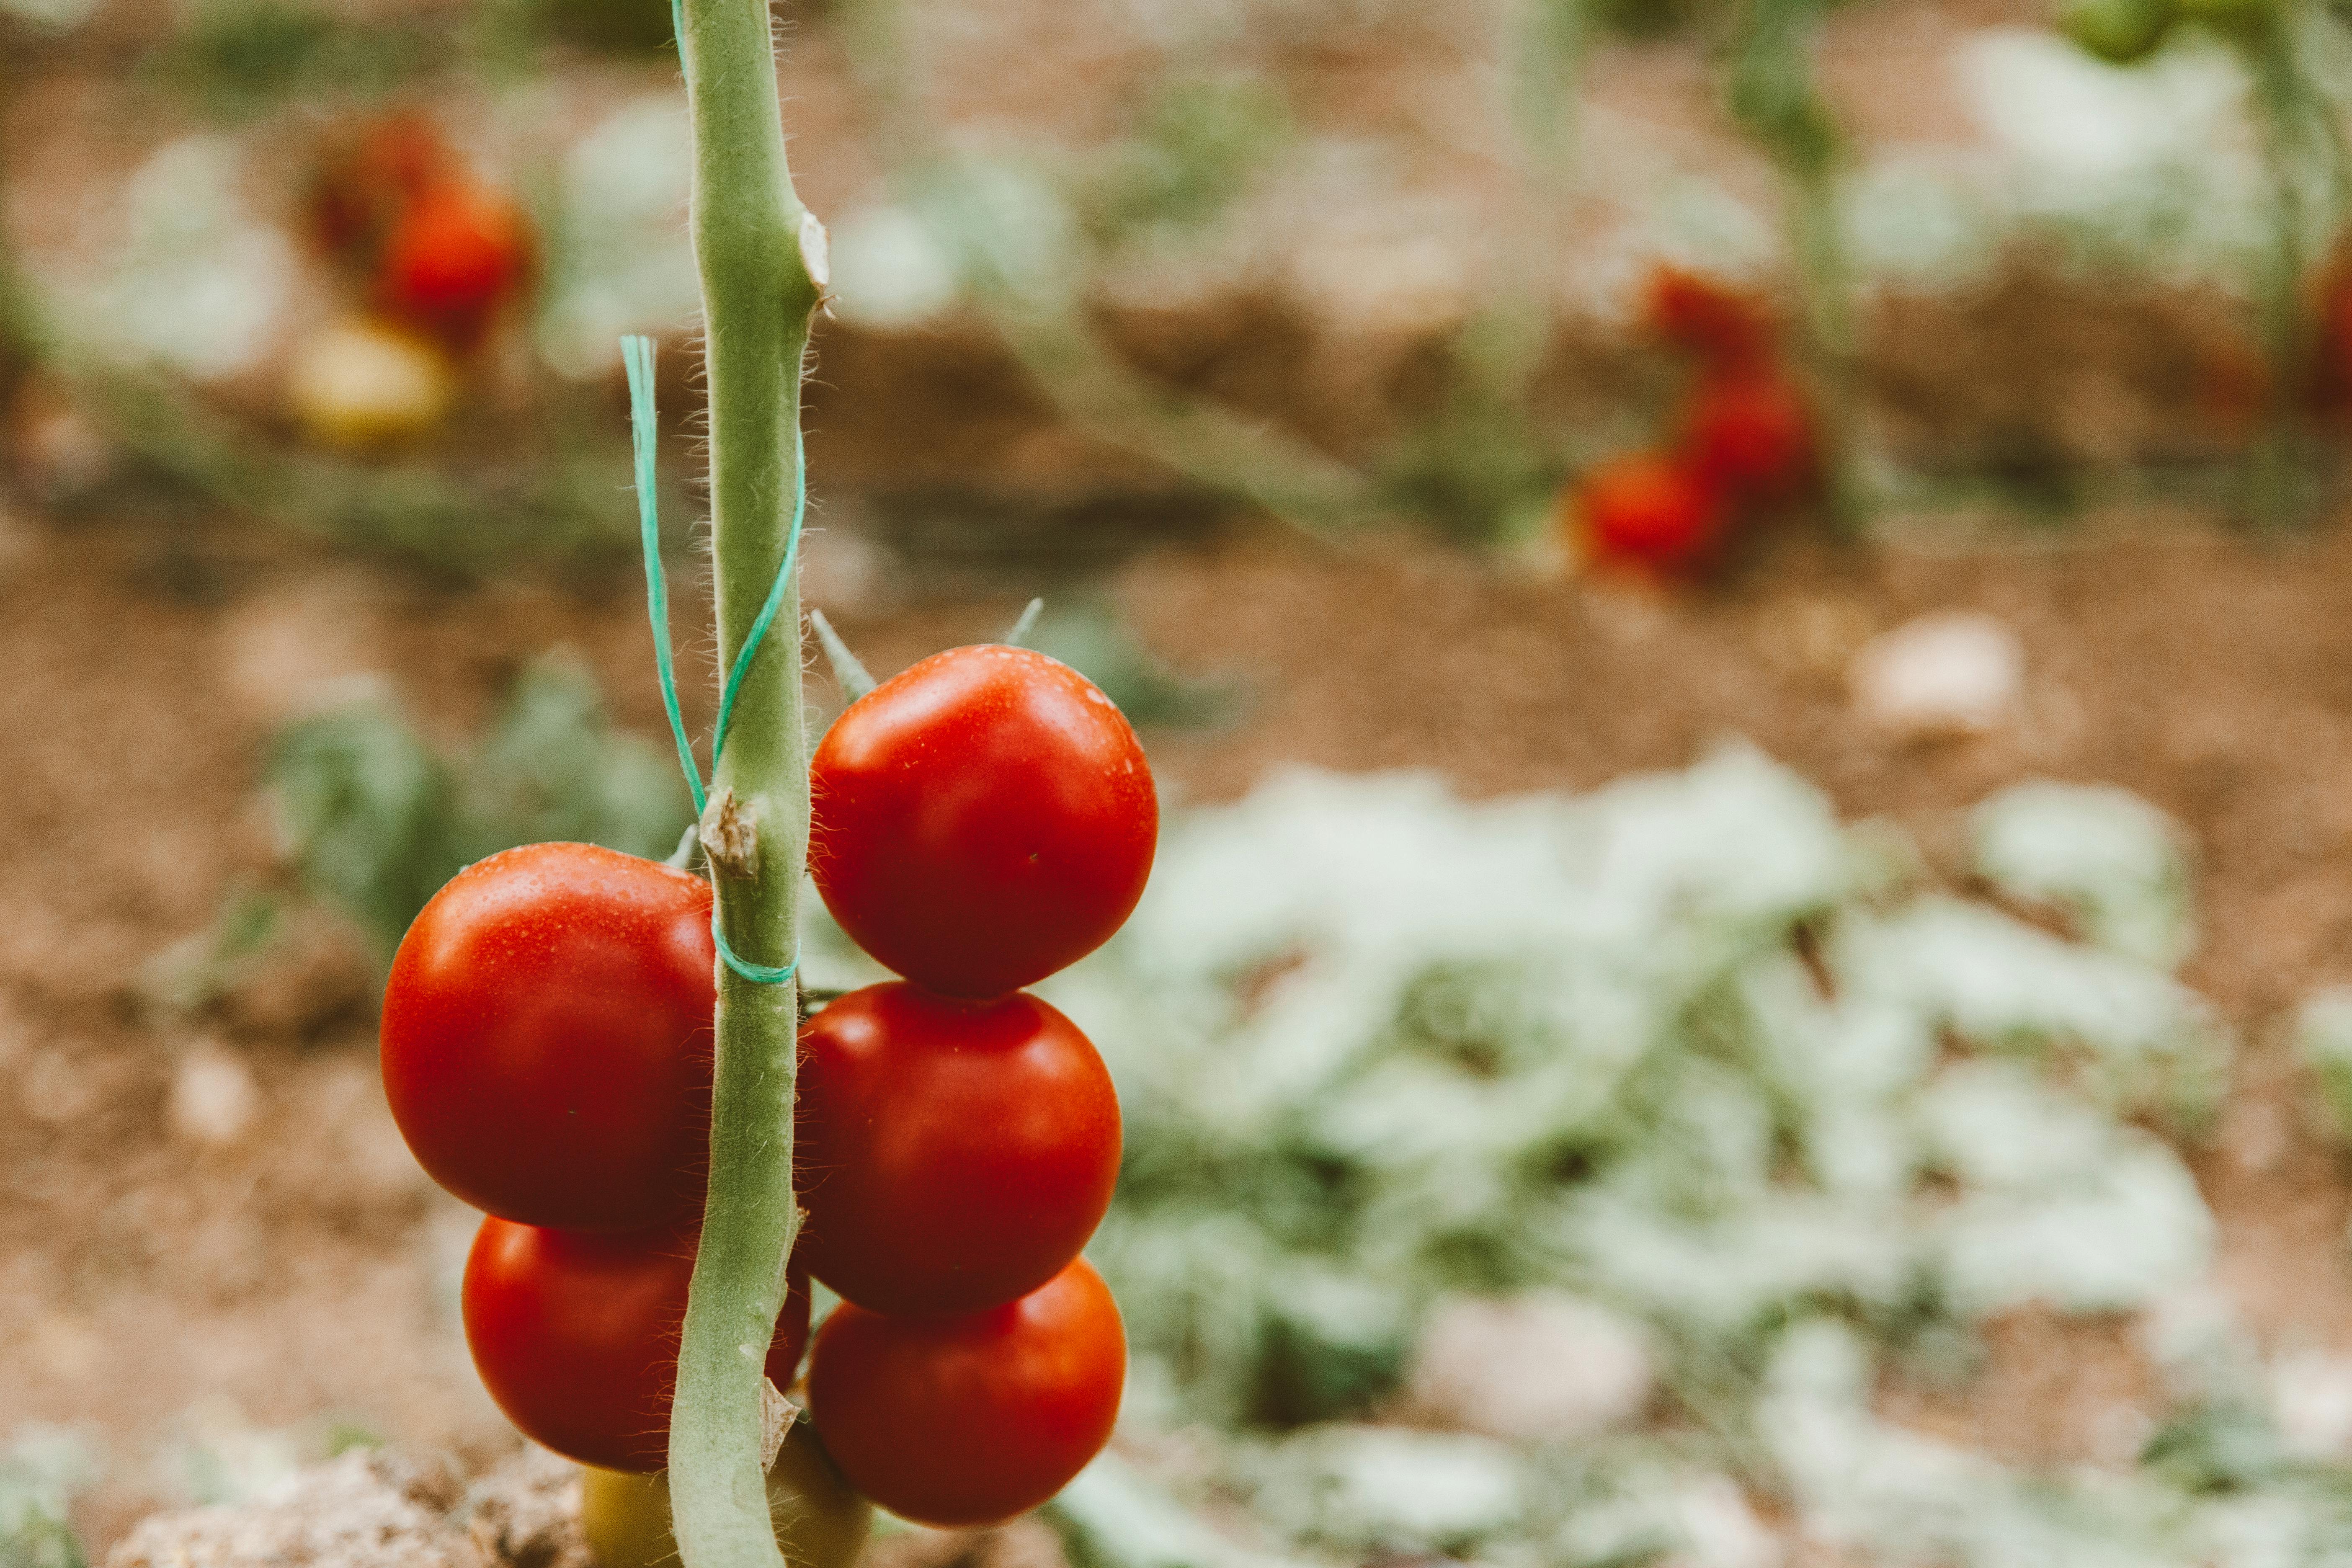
(981, 820)
(970, 1420)
(576, 1335)
(1751, 433)
(456, 251)
(1650, 511)
(953, 1154)
(547, 1037)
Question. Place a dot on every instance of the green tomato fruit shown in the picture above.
(2240, 17)
(820, 1522)
(2120, 32)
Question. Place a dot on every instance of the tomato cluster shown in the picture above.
(1744, 439)
(439, 250)
(980, 821)
(547, 1041)
(434, 254)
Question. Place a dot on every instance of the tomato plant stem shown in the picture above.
(761, 258)
(2287, 109)
(19, 340)
(1773, 96)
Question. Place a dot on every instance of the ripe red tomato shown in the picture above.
(970, 1420)
(953, 1154)
(1650, 511)
(455, 252)
(2333, 351)
(1751, 433)
(547, 1037)
(1726, 326)
(576, 1335)
(981, 820)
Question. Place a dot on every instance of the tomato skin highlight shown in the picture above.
(1649, 510)
(953, 1154)
(981, 820)
(547, 1037)
(576, 1335)
(971, 1420)
(1751, 433)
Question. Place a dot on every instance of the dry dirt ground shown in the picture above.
(161, 1271)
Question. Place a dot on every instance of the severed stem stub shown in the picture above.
(728, 835)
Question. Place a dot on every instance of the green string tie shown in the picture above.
(637, 355)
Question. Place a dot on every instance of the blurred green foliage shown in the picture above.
(1477, 462)
(563, 502)
(1740, 1113)
(626, 26)
(2323, 1036)
(1195, 147)
(1091, 639)
(374, 820)
(1647, 18)
(40, 1473)
(240, 59)
(1031, 235)
(1769, 83)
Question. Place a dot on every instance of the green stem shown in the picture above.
(760, 255)
(1548, 41)
(19, 338)
(1773, 95)
(1090, 386)
(2286, 102)
(1827, 283)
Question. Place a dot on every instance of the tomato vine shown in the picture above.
(761, 256)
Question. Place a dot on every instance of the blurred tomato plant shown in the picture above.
(40, 1472)
(2293, 54)
(1623, 1142)
(375, 820)
(1260, 290)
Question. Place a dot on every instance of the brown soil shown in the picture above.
(305, 1270)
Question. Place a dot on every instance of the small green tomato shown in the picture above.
(2120, 32)
(2241, 18)
(820, 1522)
